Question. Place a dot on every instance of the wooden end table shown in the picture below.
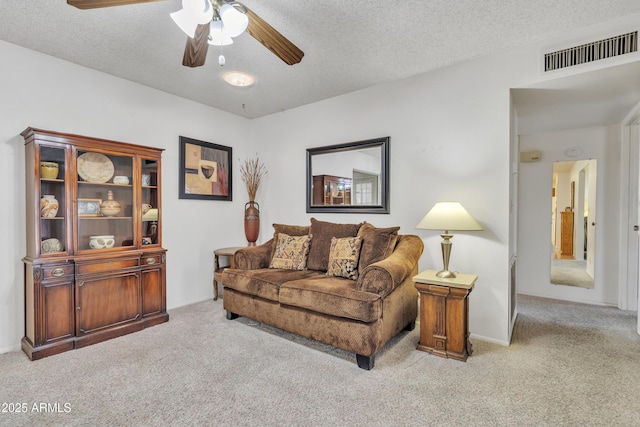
(444, 314)
(218, 269)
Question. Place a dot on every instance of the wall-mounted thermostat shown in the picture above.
(530, 156)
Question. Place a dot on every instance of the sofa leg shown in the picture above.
(410, 326)
(365, 362)
(231, 315)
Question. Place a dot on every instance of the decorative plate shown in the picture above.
(95, 167)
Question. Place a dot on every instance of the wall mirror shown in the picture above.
(573, 223)
(349, 178)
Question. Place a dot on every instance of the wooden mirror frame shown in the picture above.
(382, 207)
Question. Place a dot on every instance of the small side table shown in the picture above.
(218, 269)
(444, 314)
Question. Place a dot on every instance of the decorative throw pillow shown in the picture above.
(291, 230)
(322, 233)
(377, 244)
(343, 257)
(291, 252)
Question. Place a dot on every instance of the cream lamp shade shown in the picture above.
(448, 216)
(151, 215)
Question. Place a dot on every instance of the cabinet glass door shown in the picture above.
(150, 201)
(53, 200)
(105, 201)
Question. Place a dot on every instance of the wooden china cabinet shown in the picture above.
(93, 271)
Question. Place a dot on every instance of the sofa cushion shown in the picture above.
(322, 233)
(377, 244)
(264, 283)
(343, 257)
(291, 252)
(291, 230)
(334, 296)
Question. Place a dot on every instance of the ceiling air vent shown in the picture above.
(594, 51)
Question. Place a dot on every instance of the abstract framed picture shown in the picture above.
(205, 170)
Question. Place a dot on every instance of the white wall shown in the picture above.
(534, 258)
(44, 92)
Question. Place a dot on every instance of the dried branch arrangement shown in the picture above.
(252, 172)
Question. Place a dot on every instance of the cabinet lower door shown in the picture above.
(107, 301)
(58, 319)
(152, 291)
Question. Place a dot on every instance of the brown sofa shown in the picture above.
(358, 315)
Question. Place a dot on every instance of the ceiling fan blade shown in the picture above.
(94, 4)
(195, 52)
(272, 39)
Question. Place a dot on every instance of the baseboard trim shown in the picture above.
(10, 349)
(490, 340)
(603, 304)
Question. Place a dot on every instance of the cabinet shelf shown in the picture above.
(104, 184)
(104, 218)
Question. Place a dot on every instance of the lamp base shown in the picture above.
(446, 274)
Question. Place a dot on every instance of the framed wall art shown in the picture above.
(205, 170)
(89, 207)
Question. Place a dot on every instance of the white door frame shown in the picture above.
(628, 295)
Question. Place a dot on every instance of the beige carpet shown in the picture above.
(570, 273)
(569, 365)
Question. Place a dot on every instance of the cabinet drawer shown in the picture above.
(107, 265)
(55, 271)
(149, 260)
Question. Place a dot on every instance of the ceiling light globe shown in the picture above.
(200, 10)
(217, 36)
(239, 79)
(235, 22)
(184, 20)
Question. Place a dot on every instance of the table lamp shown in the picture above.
(151, 216)
(448, 216)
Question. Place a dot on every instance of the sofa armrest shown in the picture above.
(254, 257)
(384, 276)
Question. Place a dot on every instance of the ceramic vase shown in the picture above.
(48, 206)
(49, 170)
(109, 207)
(251, 222)
(101, 242)
(48, 246)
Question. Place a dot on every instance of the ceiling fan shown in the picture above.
(203, 22)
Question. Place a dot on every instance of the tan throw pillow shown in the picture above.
(377, 244)
(343, 257)
(291, 252)
(291, 230)
(322, 233)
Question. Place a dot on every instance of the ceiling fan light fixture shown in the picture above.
(235, 21)
(239, 79)
(217, 36)
(200, 10)
(185, 21)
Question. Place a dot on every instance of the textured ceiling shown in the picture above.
(348, 45)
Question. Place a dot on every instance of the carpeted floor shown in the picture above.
(570, 273)
(569, 364)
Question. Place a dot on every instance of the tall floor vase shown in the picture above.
(251, 222)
